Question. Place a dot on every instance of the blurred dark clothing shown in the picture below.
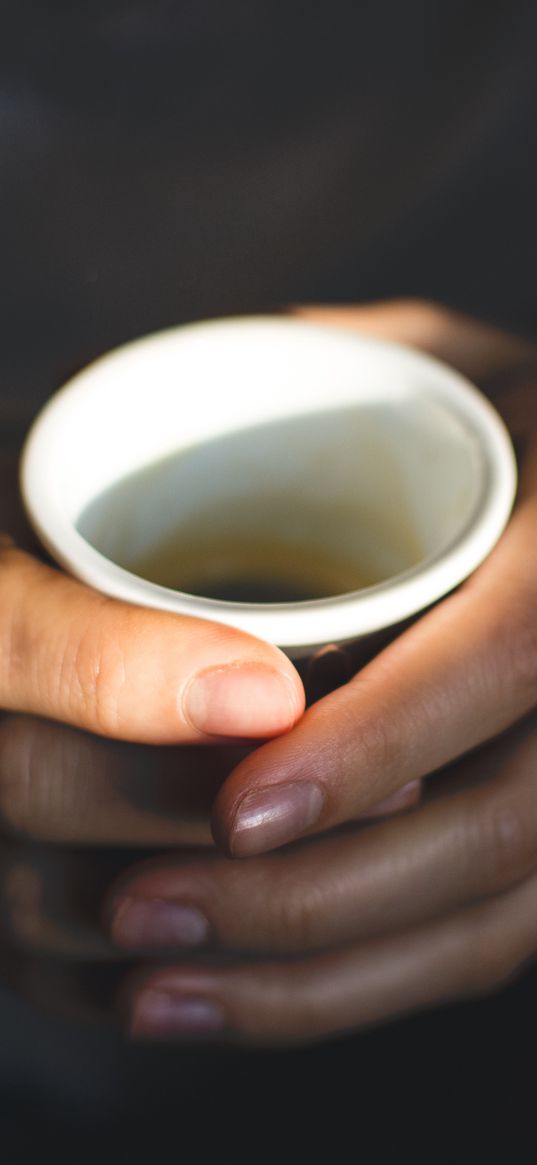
(169, 160)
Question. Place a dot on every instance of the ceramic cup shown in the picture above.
(310, 447)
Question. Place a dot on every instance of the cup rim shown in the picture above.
(310, 623)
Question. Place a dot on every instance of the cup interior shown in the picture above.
(278, 448)
(350, 497)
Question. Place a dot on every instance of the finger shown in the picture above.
(471, 953)
(51, 901)
(59, 784)
(460, 675)
(474, 953)
(475, 348)
(71, 654)
(348, 886)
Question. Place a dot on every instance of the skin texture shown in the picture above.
(414, 877)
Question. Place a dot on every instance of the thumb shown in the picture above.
(72, 654)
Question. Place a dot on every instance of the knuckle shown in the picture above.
(95, 676)
(379, 745)
(506, 843)
(369, 731)
(296, 916)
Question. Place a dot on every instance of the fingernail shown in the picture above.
(242, 699)
(139, 922)
(272, 817)
(157, 1013)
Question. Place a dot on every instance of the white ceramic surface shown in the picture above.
(365, 445)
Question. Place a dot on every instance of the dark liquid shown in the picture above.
(242, 589)
(253, 571)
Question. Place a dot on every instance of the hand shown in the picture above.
(75, 807)
(360, 923)
(67, 797)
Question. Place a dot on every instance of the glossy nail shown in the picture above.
(243, 699)
(161, 1014)
(139, 922)
(271, 817)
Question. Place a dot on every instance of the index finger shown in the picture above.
(462, 674)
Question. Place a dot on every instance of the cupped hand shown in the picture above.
(346, 925)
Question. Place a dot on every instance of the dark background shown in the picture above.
(181, 159)
(169, 161)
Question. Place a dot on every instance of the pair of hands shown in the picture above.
(124, 732)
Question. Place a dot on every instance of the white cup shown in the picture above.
(269, 429)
